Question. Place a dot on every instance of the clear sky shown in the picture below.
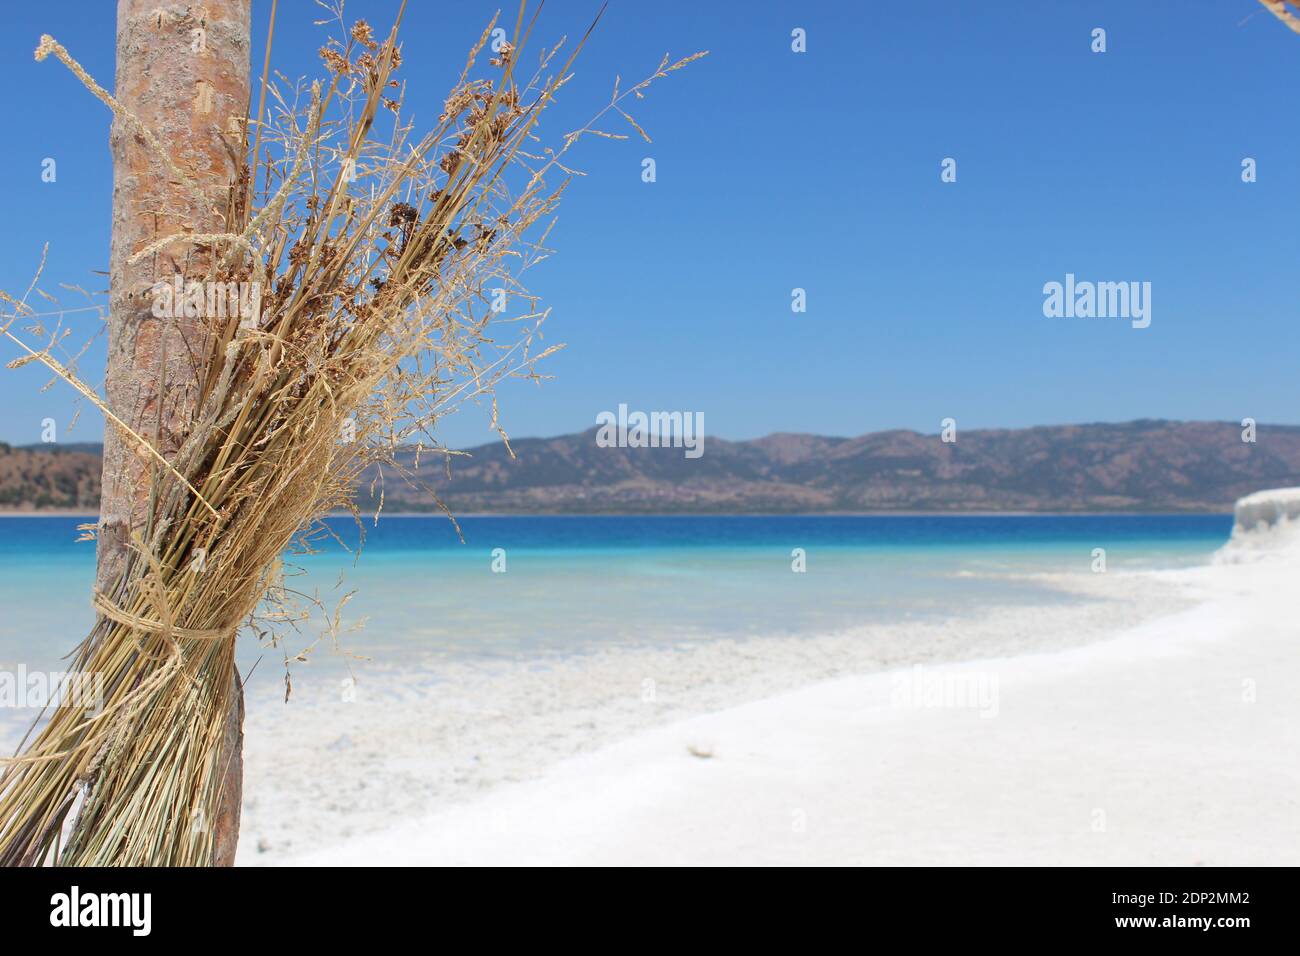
(821, 170)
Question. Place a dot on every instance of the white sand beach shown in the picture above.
(1170, 741)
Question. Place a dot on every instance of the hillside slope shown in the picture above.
(1132, 466)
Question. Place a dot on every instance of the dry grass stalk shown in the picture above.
(379, 254)
(1280, 10)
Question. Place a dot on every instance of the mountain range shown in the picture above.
(1152, 466)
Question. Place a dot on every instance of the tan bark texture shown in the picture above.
(183, 71)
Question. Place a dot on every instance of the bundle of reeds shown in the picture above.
(377, 256)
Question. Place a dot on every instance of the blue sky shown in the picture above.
(821, 170)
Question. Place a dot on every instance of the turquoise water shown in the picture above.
(573, 584)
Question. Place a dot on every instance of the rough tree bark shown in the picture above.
(183, 70)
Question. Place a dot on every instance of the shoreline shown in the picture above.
(410, 747)
(1164, 743)
(441, 737)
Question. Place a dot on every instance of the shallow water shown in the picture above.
(577, 584)
(599, 628)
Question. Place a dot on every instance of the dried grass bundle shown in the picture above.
(376, 258)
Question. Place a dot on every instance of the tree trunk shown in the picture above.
(183, 71)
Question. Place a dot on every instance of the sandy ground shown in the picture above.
(1174, 742)
(414, 740)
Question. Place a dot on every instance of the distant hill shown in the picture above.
(43, 477)
(1133, 466)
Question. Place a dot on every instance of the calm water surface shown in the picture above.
(576, 583)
